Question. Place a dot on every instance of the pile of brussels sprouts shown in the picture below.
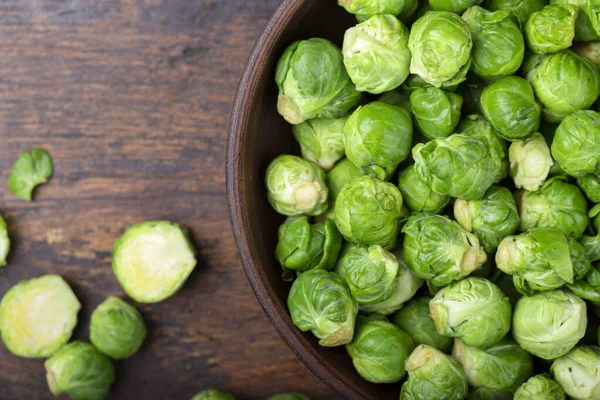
(442, 223)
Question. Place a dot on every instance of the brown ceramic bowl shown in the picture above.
(257, 135)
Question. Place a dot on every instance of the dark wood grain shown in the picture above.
(132, 99)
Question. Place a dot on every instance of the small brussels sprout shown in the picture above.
(4, 242)
(549, 324)
(37, 317)
(152, 260)
(455, 6)
(576, 144)
(80, 371)
(313, 82)
(499, 367)
(368, 212)
(379, 350)
(530, 162)
(343, 172)
(365, 9)
(376, 54)
(498, 44)
(557, 204)
(436, 112)
(540, 387)
(433, 375)
(564, 82)
(551, 29)
(378, 137)
(31, 169)
(590, 184)
(415, 320)
(510, 106)
(213, 394)
(418, 195)
(482, 393)
(460, 166)
(439, 249)
(117, 328)
(440, 43)
(474, 310)
(578, 372)
(289, 396)
(587, 27)
(491, 218)
(321, 140)
(320, 302)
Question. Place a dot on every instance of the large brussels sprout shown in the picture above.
(433, 375)
(313, 82)
(376, 54)
(578, 372)
(343, 172)
(460, 166)
(213, 394)
(576, 144)
(418, 195)
(549, 324)
(289, 396)
(587, 27)
(564, 83)
(296, 186)
(510, 106)
(152, 260)
(521, 8)
(498, 44)
(456, 6)
(4, 242)
(439, 249)
(530, 162)
(551, 29)
(557, 204)
(415, 320)
(37, 317)
(590, 184)
(321, 140)
(473, 310)
(80, 371)
(378, 137)
(117, 328)
(540, 387)
(368, 212)
(365, 9)
(320, 302)
(436, 112)
(440, 43)
(491, 218)
(379, 350)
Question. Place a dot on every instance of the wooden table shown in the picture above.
(132, 100)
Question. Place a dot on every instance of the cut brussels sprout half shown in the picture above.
(530, 162)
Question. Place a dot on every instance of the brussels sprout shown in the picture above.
(491, 219)
(378, 137)
(418, 195)
(474, 310)
(551, 29)
(460, 166)
(576, 144)
(440, 43)
(365, 9)
(498, 44)
(564, 83)
(588, 288)
(540, 387)
(368, 212)
(296, 186)
(376, 54)
(590, 184)
(433, 375)
(557, 204)
(80, 371)
(549, 324)
(4, 242)
(578, 372)
(343, 172)
(321, 140)
(579, 259)
(117, 328)
(522, 9)
(587, 27)
(482, 393)
(455, 6)
(320, 301)
(37, 317)
(510, 106)
(289, 396)
(415, 320)
(313, 82)
(530, 162)
(436, 112)
(31, 169)
(302, 246)
(379, 350)
(213, 394)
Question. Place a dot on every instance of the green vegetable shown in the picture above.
(587, 27)
(343, 172)
(578, 372)
(590, 50)
(588, 288)
(436, 112)
(396, 98)
(365, 9)
(289, 396)
(530, 162)
(213, 394)
(321, 140)
(551, 29)
(31, 169)
(522, 9)
(540, 387)
(418, 195)
(4, 242)
(456, 6)
(590, 184)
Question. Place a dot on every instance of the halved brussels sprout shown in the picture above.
(37, 317)
(4, 242)
(530, 162)
(343, 172)
(440, 43)
(578, 372)
(590, 184)
(213, 394)
(376, 54)
(522, 9)
(455, 6)
(540, 387)
(551, 29)
(511, 108)
(321, 140)
(152, 260)
(436, 112)
(418, 195)
(365, 9)
(320, 302)
(313, 82)
(549, 324)
(289, 396)
(587, 27)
